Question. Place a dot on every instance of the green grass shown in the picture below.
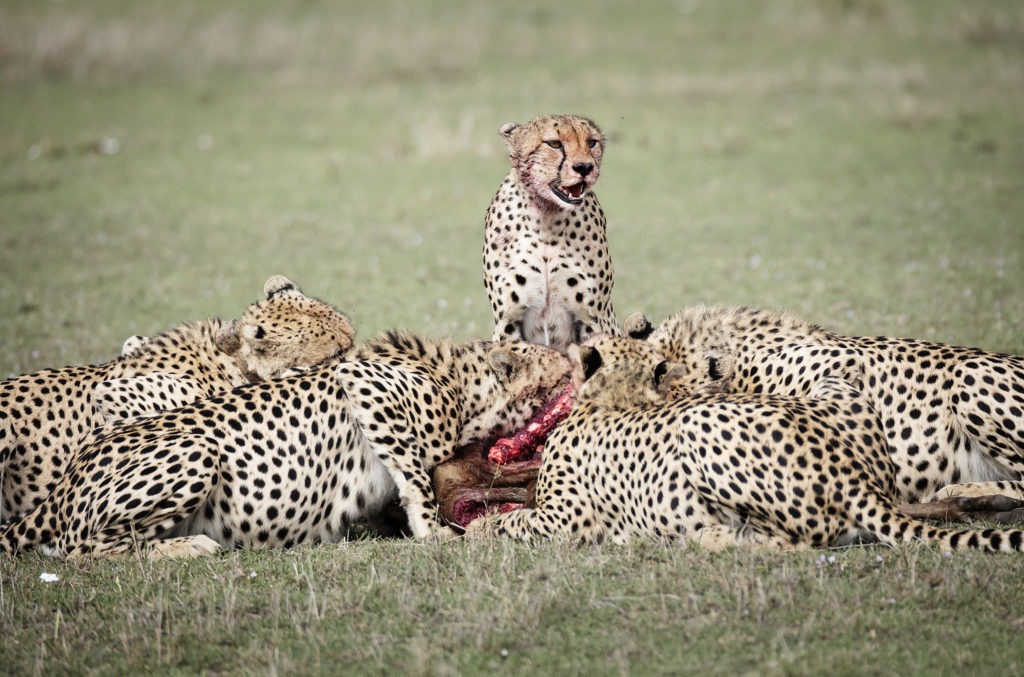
(476, 608)
(858, 162)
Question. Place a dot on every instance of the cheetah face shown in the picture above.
(557, 157)
(622, 373)
(699, 374)
(521, 378)
(288, 331)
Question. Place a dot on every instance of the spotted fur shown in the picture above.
(950, 414)
(547, 269)
(767, 471)
(292, 460)
(46, 416)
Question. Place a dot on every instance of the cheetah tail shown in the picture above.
(906, 529)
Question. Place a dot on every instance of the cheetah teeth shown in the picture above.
(572, 194)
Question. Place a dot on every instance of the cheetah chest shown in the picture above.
(546, 276)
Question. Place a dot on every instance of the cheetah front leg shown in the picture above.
(378, 396)
(183, 547)
(525, 524)
(560, 514)
(415, 492)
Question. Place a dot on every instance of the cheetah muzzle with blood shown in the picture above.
(487, 478)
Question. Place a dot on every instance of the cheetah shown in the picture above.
(769, 472)
(547, 269)
(950, 414)
(46, 416)
(293, 460)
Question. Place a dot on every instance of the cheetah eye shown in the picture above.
(713, 370)
(659, 372)
(557, 145)
(591, 143)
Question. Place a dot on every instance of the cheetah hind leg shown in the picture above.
(718, 537)
(183, 547)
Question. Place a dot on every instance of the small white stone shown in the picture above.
(109, 145)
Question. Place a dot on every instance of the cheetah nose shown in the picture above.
(583, 168)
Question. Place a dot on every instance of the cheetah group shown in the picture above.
(724, 426)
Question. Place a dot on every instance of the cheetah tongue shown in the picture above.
(525, 442)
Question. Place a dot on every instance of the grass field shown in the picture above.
(857, 161)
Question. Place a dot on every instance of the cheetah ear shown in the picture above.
(253, 332)
(226, 339)
(133, 343)
(507, 130)
(659, 372)
(637, 326)
(504, 362)
(279, 284)
(713, 371)
(587, 358)
(719, 367)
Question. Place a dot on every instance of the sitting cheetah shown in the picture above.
(720, 469)
(47, 415)
(292, 460)
(546, 264)
(949, 414)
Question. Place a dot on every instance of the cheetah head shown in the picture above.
(704, 362)
(557, 157)
(622, 373)
(518, 380)
(286, 331)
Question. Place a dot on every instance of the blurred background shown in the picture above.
(858, 162)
